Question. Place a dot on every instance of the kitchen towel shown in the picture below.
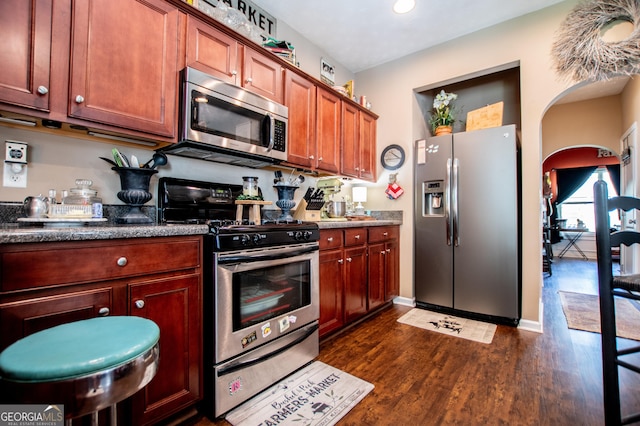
(453, 326)
(318, 394)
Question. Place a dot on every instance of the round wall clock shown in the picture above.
(392, 157)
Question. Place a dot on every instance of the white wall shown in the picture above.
(390, 88)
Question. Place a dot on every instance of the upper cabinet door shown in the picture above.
(25, 29)
(262, 75)
(350, 164)
(329, 109)
(125, 62)
(300, 98)
(368, 142)
(212, 51)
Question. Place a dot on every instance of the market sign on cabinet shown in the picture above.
(255, 15)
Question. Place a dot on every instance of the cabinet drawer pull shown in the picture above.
(357, 237)
(349, 259)
(388, 250)
(43, 90)
(330, 239)
(311, 157)
(122, 261)
(357, 169)
(341, 261)
(383, 252)
(103, 312)
(385, 234)
(319, 158)
(248, 80)
(139, 304)
(234, 72)
(79, 99)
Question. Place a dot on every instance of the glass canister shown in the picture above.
(250, 186)
(84, 195)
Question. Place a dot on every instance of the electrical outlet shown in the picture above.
(15, 175)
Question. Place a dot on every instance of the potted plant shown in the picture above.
(443, 114)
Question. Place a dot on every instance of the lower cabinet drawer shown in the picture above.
(47, 264)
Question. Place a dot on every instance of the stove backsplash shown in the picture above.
(10, 212)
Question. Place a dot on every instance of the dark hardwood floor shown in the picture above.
(521, 378)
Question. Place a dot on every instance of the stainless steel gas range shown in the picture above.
(261, 292)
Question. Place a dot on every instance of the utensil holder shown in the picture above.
(285, 201)
(134, 182)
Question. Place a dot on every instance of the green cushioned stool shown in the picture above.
(86, 365)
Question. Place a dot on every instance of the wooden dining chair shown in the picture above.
(611, 287)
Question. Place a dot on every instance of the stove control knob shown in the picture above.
(256, 239)
(307, 235)
(298, 235)
(245, 239)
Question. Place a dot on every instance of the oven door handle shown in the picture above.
(243, 258)
(235, 367)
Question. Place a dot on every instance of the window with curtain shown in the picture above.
(579, 204)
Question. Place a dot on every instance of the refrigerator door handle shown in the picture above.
(447, 202)
(454, 203)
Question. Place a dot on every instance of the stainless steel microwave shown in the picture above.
(227, 124)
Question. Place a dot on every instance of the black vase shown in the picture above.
(285, 201)
(134, 182)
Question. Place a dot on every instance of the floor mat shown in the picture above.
(583, 313)
(318, 394)
(453, 326)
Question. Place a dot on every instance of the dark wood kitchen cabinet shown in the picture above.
(355, 282)
(222, 56)
(47, 284)
(328, 131)
(211, 51)
(359, 273)
(93, 64)
(358, 143)
(125, 59)
(25, 28)
(384, 259)
(343, 278)
(331, 281)
(300, 98)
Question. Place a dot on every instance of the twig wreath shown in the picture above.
(579, 50)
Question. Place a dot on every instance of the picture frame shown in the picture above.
(349, 88)
(327, 72)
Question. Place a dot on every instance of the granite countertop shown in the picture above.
(10, 233)
(21, 233)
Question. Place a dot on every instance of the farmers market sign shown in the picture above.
(255, 15)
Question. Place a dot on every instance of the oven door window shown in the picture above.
(218, 117)
(262, 294)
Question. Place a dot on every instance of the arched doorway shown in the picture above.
(583, 128)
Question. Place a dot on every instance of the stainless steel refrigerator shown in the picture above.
(467, 224)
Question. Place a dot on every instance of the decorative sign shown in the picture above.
(483, 118)
(327, 72)
(604, 153)
(254, 14)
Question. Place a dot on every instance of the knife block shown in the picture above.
(301, 213)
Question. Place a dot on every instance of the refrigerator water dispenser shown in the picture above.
(433, 198)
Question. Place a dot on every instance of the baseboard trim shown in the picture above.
(404, 301)
(535, 326)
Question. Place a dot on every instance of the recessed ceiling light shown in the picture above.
(404, 6)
